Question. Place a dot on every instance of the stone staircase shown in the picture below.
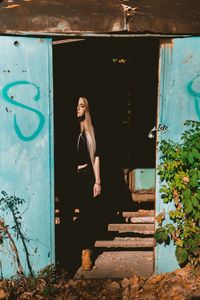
(135, 230)
(129, 247)
(126, 244)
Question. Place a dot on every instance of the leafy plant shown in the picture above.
(11, 204)
(180, 174)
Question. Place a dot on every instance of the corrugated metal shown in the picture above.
(164, 16)
(61, 16)
(26, 150)
(179, 100)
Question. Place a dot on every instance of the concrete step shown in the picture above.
(143, 197)
(120, 264)
(139, 213)
(136, 228)
(140, 216)
(126, 243)
(140, 220)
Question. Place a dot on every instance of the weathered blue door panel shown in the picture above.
(179, 100)
(26, 152)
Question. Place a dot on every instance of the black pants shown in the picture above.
(88, 207)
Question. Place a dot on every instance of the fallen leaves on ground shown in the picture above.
(182, 284)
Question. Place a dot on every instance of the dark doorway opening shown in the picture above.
(119, 77)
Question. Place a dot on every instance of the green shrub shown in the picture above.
(180, 176)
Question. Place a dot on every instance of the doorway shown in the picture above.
(119, 76)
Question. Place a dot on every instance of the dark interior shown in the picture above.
(119, 78)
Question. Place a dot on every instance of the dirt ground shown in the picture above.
(178, 285)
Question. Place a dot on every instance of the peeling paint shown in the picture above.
(116, 26)
(167, 43)
(128, 10)
(12, 6)
(63, 25)
(165, 17)
(62, 16)
(99, 16)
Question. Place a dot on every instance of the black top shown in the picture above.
(82, 149)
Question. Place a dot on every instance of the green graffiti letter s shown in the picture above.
(41, 117)
(195, 94)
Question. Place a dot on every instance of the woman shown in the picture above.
(89, 181)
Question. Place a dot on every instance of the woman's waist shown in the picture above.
(84, 168)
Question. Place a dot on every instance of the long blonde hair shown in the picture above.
(89, 130)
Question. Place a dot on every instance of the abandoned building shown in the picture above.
(134, 60)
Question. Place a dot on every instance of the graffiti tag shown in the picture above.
(9, 99)
(195, 94)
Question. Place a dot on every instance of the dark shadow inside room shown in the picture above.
(119, 78)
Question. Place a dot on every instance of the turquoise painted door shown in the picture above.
(26, 155)
(179, 100)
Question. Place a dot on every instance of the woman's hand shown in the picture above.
(96, 190)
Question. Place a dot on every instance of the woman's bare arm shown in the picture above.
(97, 184)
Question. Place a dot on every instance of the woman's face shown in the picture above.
(81, 108)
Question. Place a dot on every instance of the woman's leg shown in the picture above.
(87, 216)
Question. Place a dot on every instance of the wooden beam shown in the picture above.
(65, 41)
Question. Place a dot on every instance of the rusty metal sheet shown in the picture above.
(163, 16)
(61, 16)
(64, 17)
